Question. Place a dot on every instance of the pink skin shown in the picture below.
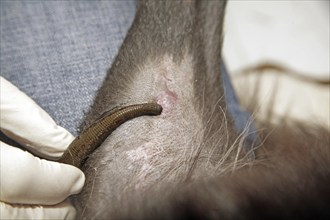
(167, 100)
(171, 83)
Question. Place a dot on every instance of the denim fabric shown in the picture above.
(58, 53)
(242, 119)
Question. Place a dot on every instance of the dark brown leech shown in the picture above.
(96, 133)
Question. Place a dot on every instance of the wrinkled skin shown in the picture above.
(188, 161)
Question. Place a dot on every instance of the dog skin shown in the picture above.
(187, 162)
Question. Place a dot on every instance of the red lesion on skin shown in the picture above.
(167, 100)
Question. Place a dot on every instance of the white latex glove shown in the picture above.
(33, 188)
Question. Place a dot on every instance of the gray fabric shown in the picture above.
(58, 53)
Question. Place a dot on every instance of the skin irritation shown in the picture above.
(94, 135)
(170, 76)
(168, 81)
(167, 100)
(146, 155)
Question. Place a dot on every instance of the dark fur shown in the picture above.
(290, 181)
(168, 27)
(290, 178)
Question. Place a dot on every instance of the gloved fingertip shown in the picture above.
(79, 182)
(62, 210)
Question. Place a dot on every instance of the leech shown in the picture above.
(94, 135)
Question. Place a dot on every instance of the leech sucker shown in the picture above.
(94, 135)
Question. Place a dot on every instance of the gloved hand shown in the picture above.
(33, 188)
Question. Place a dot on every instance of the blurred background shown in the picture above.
(278, 52)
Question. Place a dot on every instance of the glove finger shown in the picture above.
(63, 210)
(26, 179)
(25, 122)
